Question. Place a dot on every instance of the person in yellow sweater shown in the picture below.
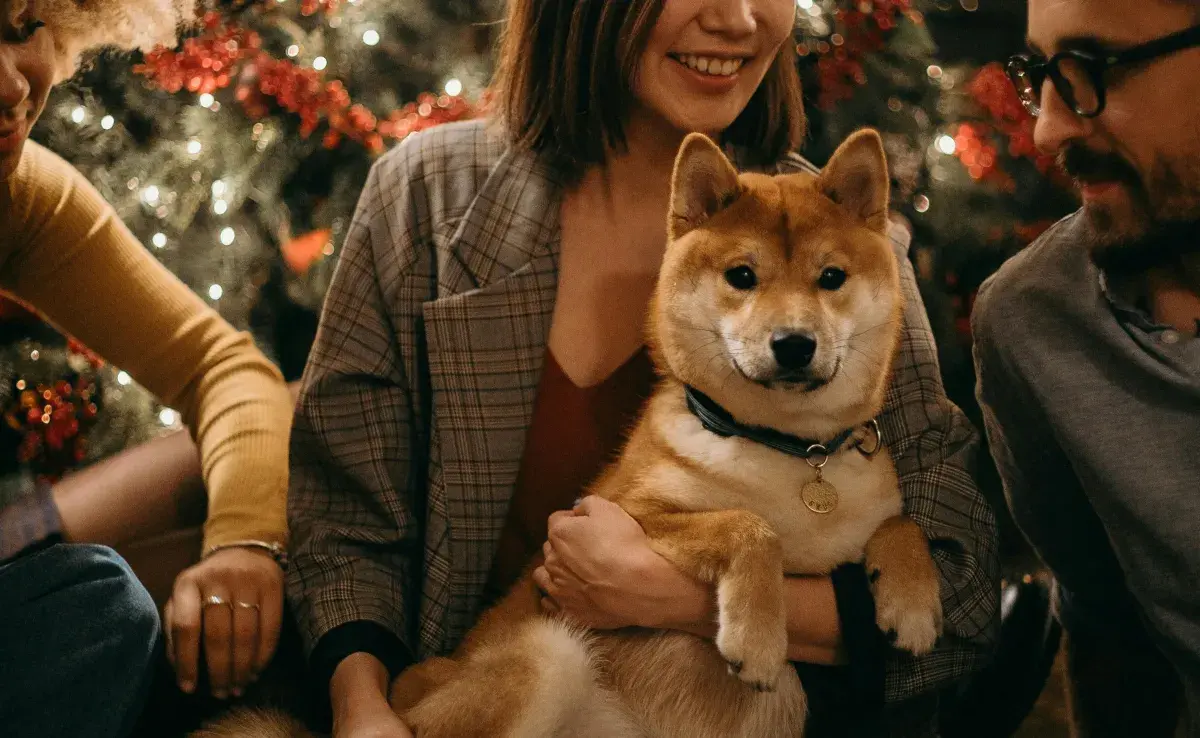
(78, 632)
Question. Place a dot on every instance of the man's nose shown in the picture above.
(1057, 123)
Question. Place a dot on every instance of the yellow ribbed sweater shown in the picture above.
(64, 250)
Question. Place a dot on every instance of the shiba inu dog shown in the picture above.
(774, 326)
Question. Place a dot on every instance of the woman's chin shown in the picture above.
(711, 124)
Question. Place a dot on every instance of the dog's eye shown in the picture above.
(832, 279)
(741, 278)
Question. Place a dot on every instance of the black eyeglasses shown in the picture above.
(1078, 75)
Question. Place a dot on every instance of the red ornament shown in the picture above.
(303, 251)
(221, 53)
(92, 357)
(204, 63)
(52, 419)
(304, 92)
(312, 7)
(862, 30)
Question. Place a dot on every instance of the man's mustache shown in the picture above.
(1085, 165)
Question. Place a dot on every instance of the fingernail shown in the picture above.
(187, 687)
(237, 691)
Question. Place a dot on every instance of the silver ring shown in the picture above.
(247, 605)
(873, 425)
(817, 450)
(215, 600)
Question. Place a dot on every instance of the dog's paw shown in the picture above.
(908, 609)
(755, 651)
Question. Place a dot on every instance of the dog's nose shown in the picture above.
(793, 351)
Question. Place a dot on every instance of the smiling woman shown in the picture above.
(490, 309)
(568, 73)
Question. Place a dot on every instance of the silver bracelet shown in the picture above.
(277, 551)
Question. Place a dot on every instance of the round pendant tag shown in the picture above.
(819, 496)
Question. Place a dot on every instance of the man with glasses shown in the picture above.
(1089, 361)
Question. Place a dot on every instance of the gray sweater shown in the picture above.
(1093, 414)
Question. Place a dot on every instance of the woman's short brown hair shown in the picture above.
(564, 82)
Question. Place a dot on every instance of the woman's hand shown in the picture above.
(358, 696)
(375, 723)
(600, 571)
(231, 603)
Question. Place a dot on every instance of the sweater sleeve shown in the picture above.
(64, 250)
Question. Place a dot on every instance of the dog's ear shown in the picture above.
(704, 182)
(857, 178)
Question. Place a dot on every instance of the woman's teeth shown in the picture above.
(710, 65)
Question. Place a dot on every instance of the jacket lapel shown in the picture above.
(486, 342)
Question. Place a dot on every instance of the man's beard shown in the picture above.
(1162, 221)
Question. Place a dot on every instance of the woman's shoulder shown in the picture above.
(441, 167)
(43, 186)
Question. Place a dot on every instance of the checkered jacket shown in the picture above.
(420, 389)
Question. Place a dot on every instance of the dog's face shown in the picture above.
(780, 291)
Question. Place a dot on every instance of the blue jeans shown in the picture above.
(78, 638)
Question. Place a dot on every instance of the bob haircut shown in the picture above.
(564, 77)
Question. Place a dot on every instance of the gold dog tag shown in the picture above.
(820, 496)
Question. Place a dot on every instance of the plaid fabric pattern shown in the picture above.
(420, 388)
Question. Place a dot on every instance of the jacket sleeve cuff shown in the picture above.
(865, 646)
(358, 636)
(848, 699)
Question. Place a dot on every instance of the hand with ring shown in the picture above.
(230, 605)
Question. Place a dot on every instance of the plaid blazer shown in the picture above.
(420, 388)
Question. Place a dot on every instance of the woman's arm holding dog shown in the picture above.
(601, 570)
(814, 628)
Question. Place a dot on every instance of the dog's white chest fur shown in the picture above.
(736, 473)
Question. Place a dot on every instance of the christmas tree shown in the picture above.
(237, 158)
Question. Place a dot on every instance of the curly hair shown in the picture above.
(82, 26)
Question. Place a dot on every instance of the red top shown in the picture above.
(574, 434)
